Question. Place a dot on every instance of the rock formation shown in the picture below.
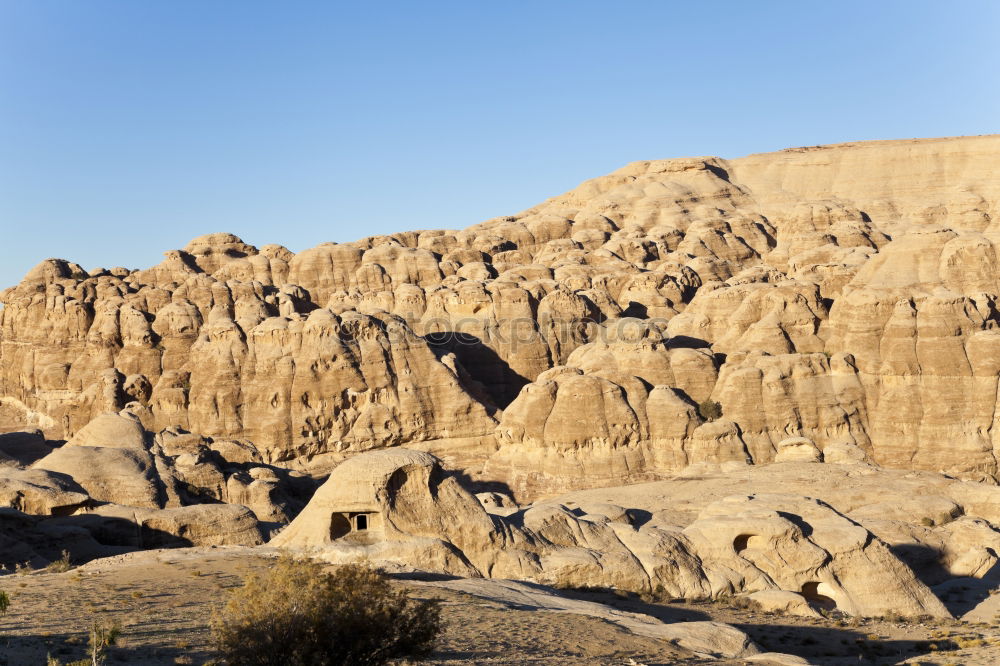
(845, 294)
(794, 355)
(399, 506)
(115, 486)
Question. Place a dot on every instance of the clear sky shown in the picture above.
(128, 127)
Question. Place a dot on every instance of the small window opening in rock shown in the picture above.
(811, 592)
(362, 522)
(741, 542)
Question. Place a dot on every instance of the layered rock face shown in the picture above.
(225, 357)
(670, 313)
(115, 487)
(399, 506)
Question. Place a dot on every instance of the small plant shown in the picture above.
(893, 616)
(710, 410)
(658, 595)
(745, 603)
(927, 522)
(296, 614)
(4, 602)
(102, 636)
(61, 565)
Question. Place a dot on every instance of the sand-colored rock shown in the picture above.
(798, 449)
(198, 525)
(781, 601)
(942, 528)
(706, 330)
(39, 492)
(115, 480)
(844, 453)
(111, 430)
(843, 293)
(802, 545)
(400, 506)
(110, 474)
(572, 427)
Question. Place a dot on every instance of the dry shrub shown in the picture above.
(297, 614)
(62, 565)
(710, 410)
(746, 603)
(102, 636)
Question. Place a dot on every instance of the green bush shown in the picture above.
(4, 602)
(296, 614)
(710, 410)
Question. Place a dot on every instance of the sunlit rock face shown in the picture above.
(670, 313)
(401, 506)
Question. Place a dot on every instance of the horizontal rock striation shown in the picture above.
(669, 313)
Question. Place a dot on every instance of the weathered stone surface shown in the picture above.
(802, 545)
(39, 492)
(781, 601)
(798, 449)
(846, 294)
(23, 447)
(400, 506)
(197, 525)
(707, 329)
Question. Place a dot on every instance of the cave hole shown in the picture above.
(396, 481)
(741, 542)
(339, 526)
(811, 592)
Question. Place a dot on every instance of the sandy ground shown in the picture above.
(841, 641)
(164, 599)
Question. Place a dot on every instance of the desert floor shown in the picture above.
(164, 599)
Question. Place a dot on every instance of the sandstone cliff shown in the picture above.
(846, 294)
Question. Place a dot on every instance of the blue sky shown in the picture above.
(128, 127)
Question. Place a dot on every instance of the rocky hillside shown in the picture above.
(669, 313)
